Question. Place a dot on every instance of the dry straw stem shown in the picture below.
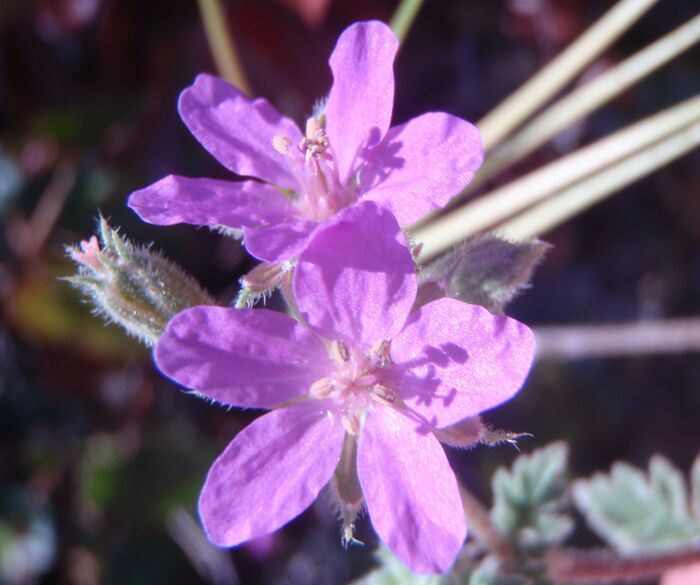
(618, 339)
(561, 70)
(404, 16)
(492, 209)
(221, 45)
(569, 202)
(591, 96)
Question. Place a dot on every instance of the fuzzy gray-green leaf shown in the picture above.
(526, 499)
(639, 513)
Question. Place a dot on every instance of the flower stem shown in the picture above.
(540, 88)
(221, 45)
(482, 527)
(404, 16)
(606, 567)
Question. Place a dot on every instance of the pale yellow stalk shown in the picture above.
(494, 208)
(572, 201)
(222, 46)
(404, 16)
(561, 70)
(592, 95)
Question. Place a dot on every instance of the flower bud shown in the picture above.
(133, 286)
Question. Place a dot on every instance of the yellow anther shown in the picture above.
(381, 353)
(321, 388)
(383, 395)
(281, 144)
(340, 352)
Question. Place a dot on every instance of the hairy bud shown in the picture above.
(132, 285)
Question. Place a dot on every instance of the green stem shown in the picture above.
(221, 44)
(404, 16)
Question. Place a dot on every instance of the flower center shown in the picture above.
(320, 194)
(358, 381)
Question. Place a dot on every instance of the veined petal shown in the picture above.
(361, 100)
(176, 199)
(270, 473)
(279, 242)
(241, 357)
(456, 360)
(411, 492)
(356, 281)
(421, 165)
(238, 131)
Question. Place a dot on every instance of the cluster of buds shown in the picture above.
(133, 286)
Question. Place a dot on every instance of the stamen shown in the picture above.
(381, 353)
(281, 144)
(315, 142)
(321, 388)
(340, 352)
(383, 395)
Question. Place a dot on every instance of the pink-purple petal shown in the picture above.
(279, 242)
(238, 131)
(411, 492)
(421, 165)
(361, 100)
(241, 357)
(355, 281)
(176, 199)
(455, 360)
(270, 473)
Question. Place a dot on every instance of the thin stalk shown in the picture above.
(569, 202)
(404, 16)
(574, 567)
(505, 202)
(221, 45)
(591, 96)
(576, 342)
(553, 77)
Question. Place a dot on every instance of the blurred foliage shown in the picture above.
(640, 514)
(527, 497)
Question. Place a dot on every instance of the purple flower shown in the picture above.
(363, 366)
(347, 153)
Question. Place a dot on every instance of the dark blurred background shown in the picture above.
(101, 459)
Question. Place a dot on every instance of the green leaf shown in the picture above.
(637, 513)
(488, 573)
(393, 572)
(527, 497)
(487, 271)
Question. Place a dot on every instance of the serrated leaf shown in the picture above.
(488, 573)
(638, 513)
(487, 271)
(526, 499)
(393, 572)
(695, 483)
